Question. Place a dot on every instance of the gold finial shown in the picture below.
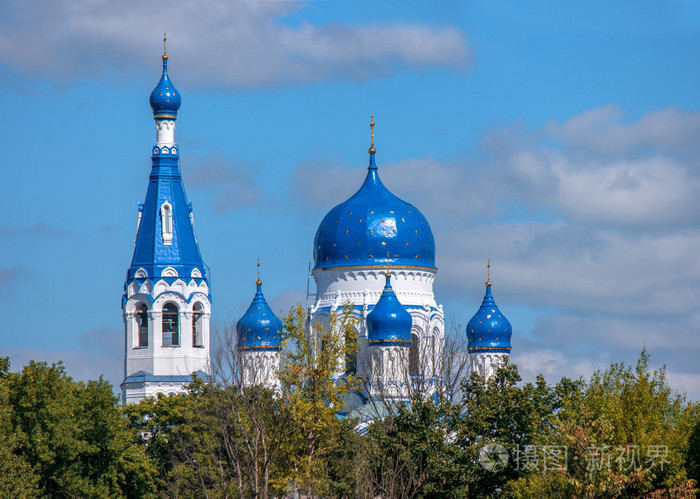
(388, 273)
(259, 282)
(488, 272)
(165, 47)
(372, 150)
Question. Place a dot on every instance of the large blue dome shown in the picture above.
(373, 222)
(389, 322)
(489, 330)
(259, 328)
(165, 100)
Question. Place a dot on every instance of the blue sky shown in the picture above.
(559, 139)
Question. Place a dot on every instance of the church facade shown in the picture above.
(374, 253)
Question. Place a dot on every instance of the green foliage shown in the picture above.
(412, 454)
(312, 396)
(693, 453)
(155, 424)
(17, 477)
(623, 433)
(626, 433)
(65, 438)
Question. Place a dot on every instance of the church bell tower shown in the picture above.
(167, 299)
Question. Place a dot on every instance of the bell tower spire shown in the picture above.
(167, 300)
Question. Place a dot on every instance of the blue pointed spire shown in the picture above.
(389, 322)
(489, 330)
(165, 237)
(259, 328)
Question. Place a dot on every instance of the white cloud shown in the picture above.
(320, 185)
(685, 382)
(553, 364)
(649, 192)
(602, 131)
(567, 171)
(223, 44)
(231, 182)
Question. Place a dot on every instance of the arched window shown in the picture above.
(198, 325)
(166, 221)
(171, 326)
(142, 325)
(413, 367)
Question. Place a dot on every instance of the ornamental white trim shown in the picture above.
(169, 272)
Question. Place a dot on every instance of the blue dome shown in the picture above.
(165, 100)
(389, 322)
(360, 231)
(489, 330)
(259, 328)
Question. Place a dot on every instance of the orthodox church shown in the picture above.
(374, 253)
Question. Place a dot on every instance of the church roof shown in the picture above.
(389, 322)
(374, 228)
(259, 328)
(489, 330)
(165, 241)
(165, 99)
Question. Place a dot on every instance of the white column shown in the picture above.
(165, 133)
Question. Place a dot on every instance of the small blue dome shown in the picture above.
(373, 222)
(259, 328)
(389, 322)
(165, 100)
(489, 330)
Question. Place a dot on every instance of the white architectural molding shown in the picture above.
(164, 362)
(165, 133)
(260, 367)
(485, 364)
(362, 287)
(169, 272)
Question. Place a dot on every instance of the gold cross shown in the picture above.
(488, 272)
(259, 281)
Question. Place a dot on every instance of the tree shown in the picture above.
(68, 438)
(312, 394)
(693, 454)
(625, 433)
(17, 476)
(156, 425)
(411, 454)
